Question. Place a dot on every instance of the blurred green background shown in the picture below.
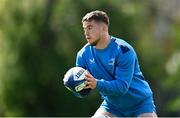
(39, 40)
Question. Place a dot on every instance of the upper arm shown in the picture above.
(80, 61)
(125, 66)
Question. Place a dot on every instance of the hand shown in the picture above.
(90, 81)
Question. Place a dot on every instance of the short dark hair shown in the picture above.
(98, 16)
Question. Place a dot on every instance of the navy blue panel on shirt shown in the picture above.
(124, 49)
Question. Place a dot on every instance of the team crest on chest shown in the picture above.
(111, 62)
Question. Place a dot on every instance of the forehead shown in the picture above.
(89, 23)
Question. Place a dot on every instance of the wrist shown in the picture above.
(98, 83)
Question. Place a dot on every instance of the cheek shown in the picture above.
(95, 33)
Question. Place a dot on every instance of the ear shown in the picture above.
(104, 27)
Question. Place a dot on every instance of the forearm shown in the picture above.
(114, 87)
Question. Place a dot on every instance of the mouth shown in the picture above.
(88, 38)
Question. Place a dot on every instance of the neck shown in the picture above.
(103, 42)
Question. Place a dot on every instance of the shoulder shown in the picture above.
(125, 52)
(83, 49)
(122, 46)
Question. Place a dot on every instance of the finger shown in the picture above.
(87, 87)
(86, 83)
(87, 71)
(88, 75)
(87, 78)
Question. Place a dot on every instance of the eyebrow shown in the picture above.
(88, 26)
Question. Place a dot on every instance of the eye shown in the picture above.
(89, 28)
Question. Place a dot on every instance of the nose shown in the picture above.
(86, 33)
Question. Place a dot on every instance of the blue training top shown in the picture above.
(117, 71)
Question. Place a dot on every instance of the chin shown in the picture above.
(90, 42)
(93, 43)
